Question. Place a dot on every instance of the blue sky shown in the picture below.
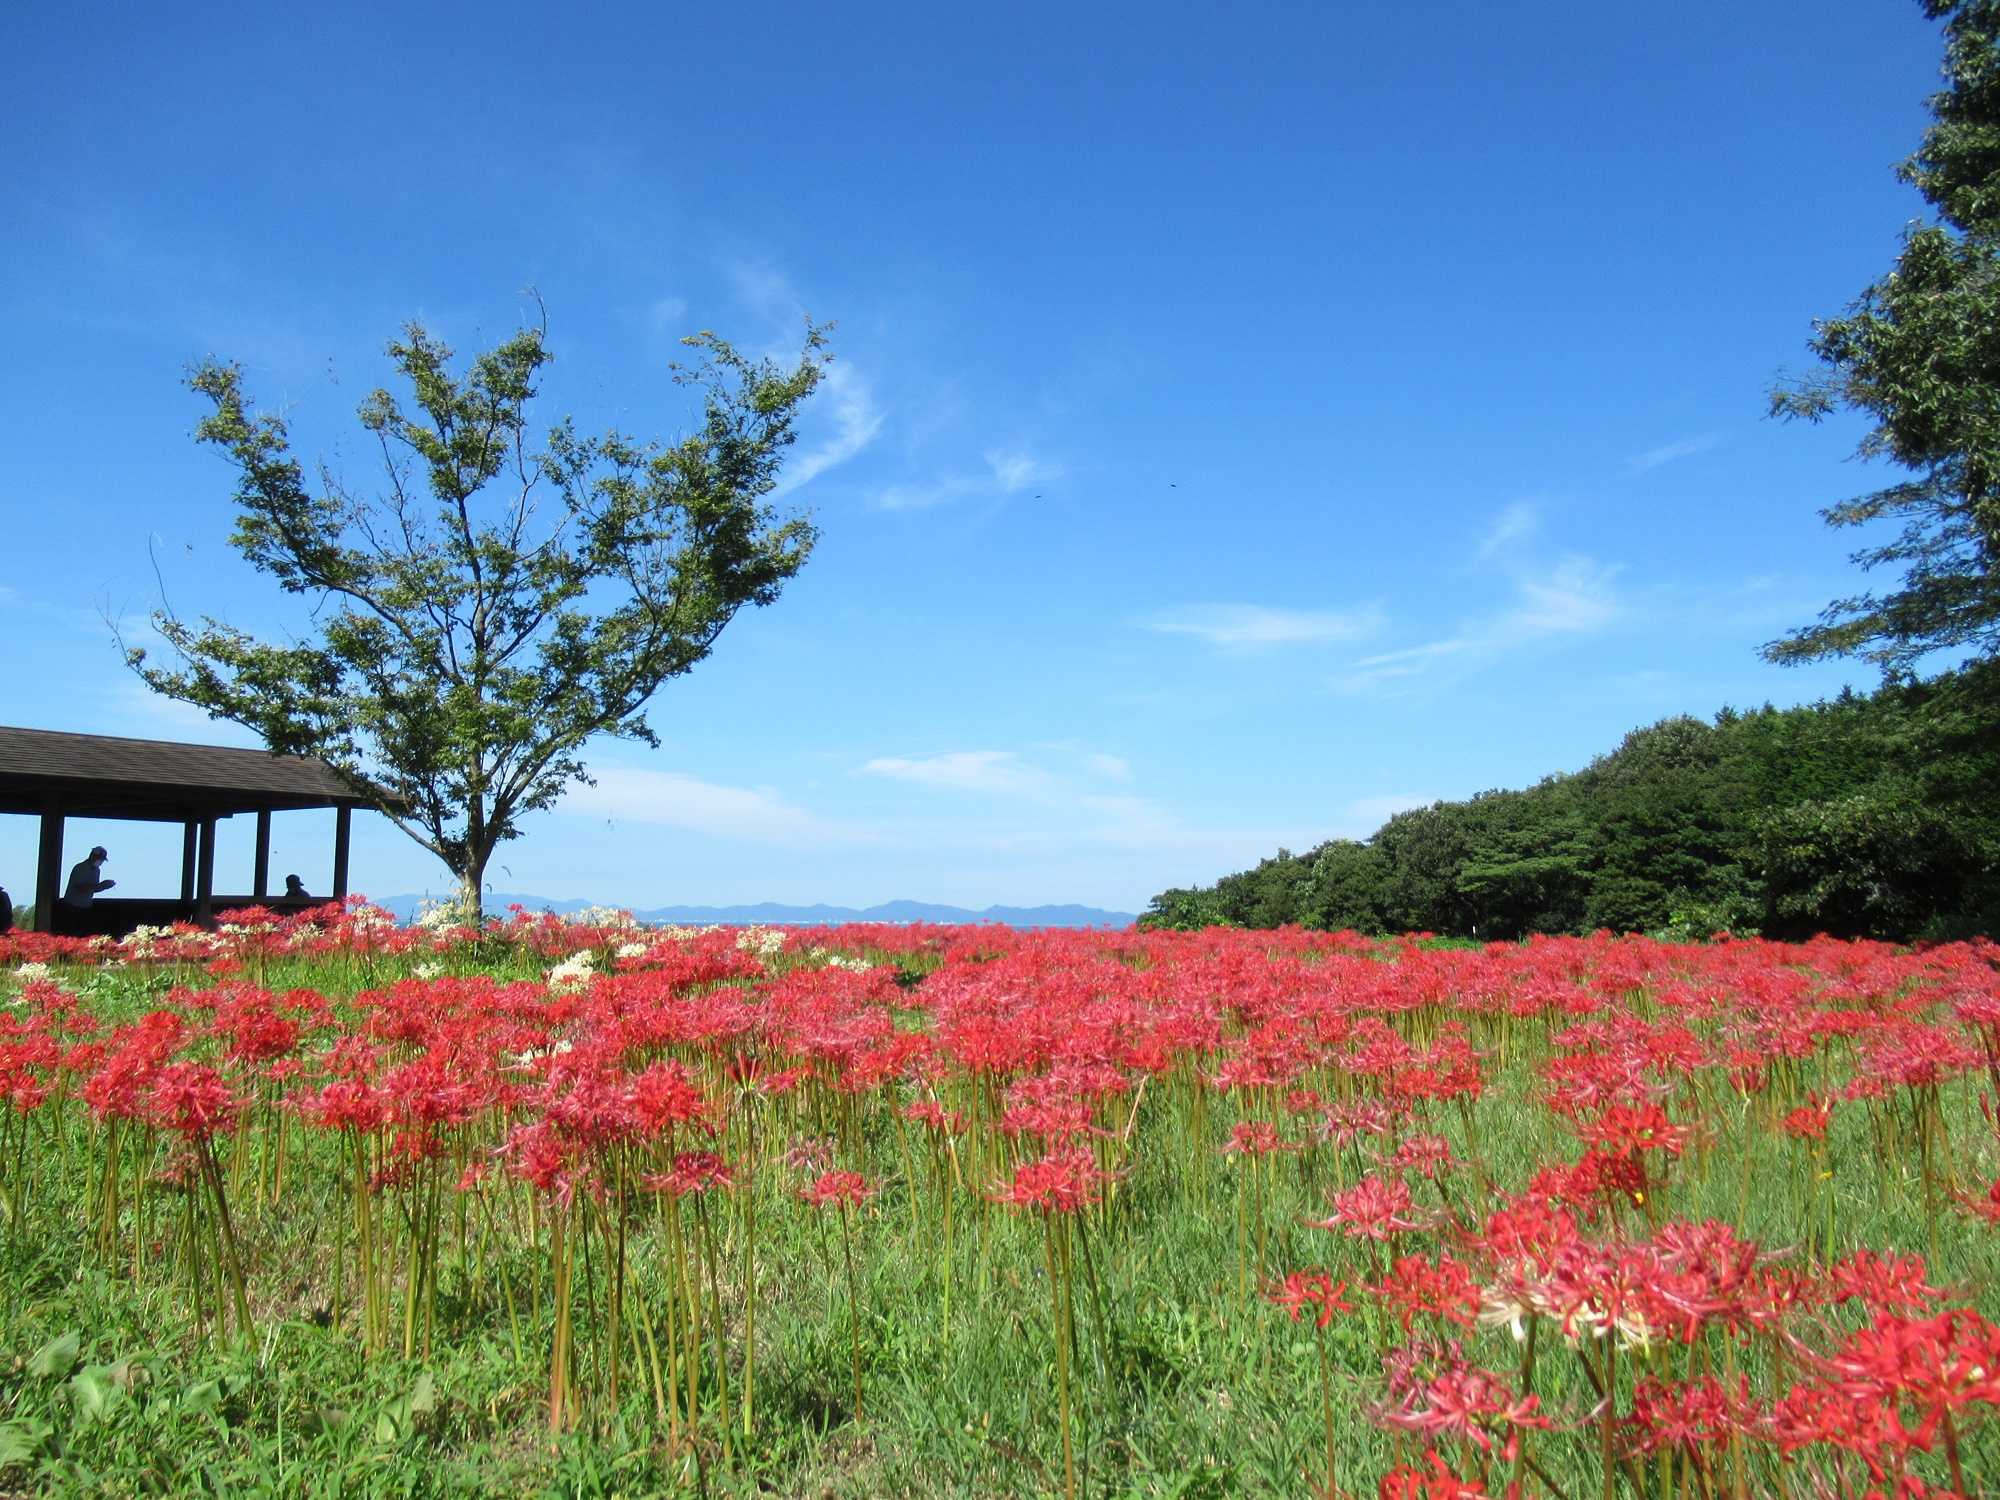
(1248, 420)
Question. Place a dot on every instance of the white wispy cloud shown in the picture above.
(1516, 522)
(755, 815)
(1116, 767)
(856, 421)
(1251, 625)
(1008, 471)
(665, 315)
(1014, 469)
(1666, 453)
(992, 771)
(1573, 597)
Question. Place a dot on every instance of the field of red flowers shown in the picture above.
(580, 1207)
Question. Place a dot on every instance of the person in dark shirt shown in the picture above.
(83, 882)
(295, 889)
(6, 910)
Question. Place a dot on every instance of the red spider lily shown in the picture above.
(344, 1104)
(541, 1158)
(1685, 1415)
(1062, 1182)
(193, 1101)
(1940, 1366)
(1375, 1209)
(1346, 1123)
(1255, 1138)
(1623, 1130)
(929, 1113)
(1445, 1290)
(1055, 1120)
(1315, 1288)
(837, 1189)
(1530, 1230)
(1912, 1054)
(811, 1153)
(1885, 1283)
(695, 1172)
(1426, 1155)
(1597, 1178)
(133, 1059)
(1433, 1389)
(1809, 1121)
(1987, 1208)
(664, 1097)
(1439, 1483)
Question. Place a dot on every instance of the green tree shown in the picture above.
(498, 599)
(1868, 815)
(1919, 355)
(1346, 890)
(1864, 866)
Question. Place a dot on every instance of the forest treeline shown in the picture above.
(1873, 815)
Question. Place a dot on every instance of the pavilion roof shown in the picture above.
(102, 776)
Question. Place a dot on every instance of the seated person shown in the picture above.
(295, 889)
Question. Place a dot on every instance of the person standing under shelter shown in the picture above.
(83, 882)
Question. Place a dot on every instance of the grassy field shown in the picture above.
(577, 1209)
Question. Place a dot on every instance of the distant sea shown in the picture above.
(772, 914)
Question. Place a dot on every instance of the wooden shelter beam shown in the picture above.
(204, 875)
(343, 828)
(48, 867)
(261, 881)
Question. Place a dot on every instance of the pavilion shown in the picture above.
(56, 776)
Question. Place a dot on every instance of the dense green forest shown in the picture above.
(1870, 815)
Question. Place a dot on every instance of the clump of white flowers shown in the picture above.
(428, 970)
(574, 972)
(31, 971)
(841, 960)
(602, 916)
(144, 940)
(762, 941)
(436, 915)
(682, 934)
(633, 950)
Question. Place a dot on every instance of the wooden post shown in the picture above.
(48, 867)
(261, 884)
(204, 875)
(190, 834)
(343, 826)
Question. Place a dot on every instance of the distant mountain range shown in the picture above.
(772, 914)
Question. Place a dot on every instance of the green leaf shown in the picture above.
(423, 1395)
(55, 1359)
(21, 1439)
(92, 1391)
(328, 1419)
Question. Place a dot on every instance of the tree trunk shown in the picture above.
(478, 850)
(470, 884)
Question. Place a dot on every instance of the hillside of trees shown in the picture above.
(1870, 815)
